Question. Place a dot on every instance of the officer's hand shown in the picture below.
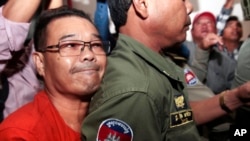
(244, 93)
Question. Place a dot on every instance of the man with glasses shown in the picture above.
(71, 58)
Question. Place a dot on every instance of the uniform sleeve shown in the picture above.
(200, 63)
(14, 134)
(196, 90)
(130, 116)
(243, 65)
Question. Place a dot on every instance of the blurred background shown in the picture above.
(213, 6)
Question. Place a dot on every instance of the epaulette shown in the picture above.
(177, 59)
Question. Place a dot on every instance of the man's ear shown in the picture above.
(141, 7)
(38, 59)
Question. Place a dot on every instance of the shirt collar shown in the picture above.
(158, 61)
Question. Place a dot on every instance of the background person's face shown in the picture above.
(202, 27)
(232, 31)
(79, 75)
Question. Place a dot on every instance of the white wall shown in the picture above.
(213, 6)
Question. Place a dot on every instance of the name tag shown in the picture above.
(180, 118)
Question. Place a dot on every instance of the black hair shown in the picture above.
(118, 11)
(2, 2)
(231, 18)
(47, 17)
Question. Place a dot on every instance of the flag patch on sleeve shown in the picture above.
(190, 77)
(114, 130)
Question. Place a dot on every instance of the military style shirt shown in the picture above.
(241, 77)
(141, 99)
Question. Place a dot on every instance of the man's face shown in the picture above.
(202, 27)
(72, 75)
(232, 31)
(169, 20)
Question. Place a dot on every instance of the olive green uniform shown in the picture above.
(243, 66)
(196, 90)
(144, 90)
(241, 77)
(217, 129)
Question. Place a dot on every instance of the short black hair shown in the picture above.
(50, 15)
(231, 18)
(2, 2)
(118, 11)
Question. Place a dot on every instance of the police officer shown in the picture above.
(143, 96)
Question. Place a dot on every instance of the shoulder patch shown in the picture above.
(114, 130)
(190, 77)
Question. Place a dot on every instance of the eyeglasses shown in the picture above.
(75, 47)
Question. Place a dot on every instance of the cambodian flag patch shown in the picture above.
(190, 77)
(114, 130)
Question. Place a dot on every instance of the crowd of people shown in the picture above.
(215, 63)
(73, 81)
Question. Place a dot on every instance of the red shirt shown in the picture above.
(37, 121)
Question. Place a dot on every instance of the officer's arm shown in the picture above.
(209, 109)
(135, 113)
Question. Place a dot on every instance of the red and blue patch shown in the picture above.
(190, 77)
(114, 130)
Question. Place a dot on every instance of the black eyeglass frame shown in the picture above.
(106, 47)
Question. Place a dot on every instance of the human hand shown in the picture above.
(244, 93)
(210, 40)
